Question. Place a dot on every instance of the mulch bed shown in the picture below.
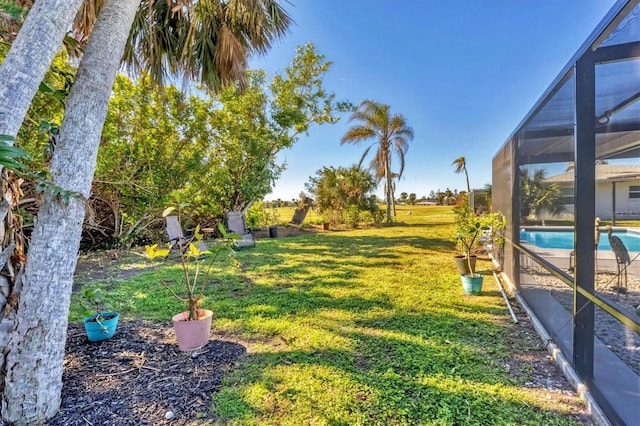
(139, 376)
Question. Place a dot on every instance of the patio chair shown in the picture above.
(177, 238)
(237, 225)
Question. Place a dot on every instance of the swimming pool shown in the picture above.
(564, 239)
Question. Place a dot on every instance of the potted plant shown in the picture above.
(192, 326)
(100, 321)
(466, 258)
(469, 231)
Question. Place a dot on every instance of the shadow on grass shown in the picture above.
(305, 253)
(405, 369)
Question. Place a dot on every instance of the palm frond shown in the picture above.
(84, 20)
(460, 164)
(364, 155)
(206, 41)
(358, 134)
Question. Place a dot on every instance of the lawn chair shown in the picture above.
(177, 238)
(237, 225)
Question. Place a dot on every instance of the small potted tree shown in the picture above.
(466, 258)
(469, 233)
(100, 321)
(192, 326)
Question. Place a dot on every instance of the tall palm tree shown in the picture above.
(21, 72)
(461, 166)
(390, 132)
(394, 176)
(41, 318)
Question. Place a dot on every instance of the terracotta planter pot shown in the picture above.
(463, 266)
(192, 334)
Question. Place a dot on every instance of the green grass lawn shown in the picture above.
(359, 327)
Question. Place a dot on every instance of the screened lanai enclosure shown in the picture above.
(568, 182)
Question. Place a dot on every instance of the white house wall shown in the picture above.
(626, 208)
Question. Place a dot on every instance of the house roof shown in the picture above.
(604, 173)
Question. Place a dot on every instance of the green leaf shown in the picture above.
(9, 156)
(45, 88)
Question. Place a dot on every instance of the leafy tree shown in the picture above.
(153, 145)
(403, 197)
(536, 195)
(336, 190)
(390, 132)
(449, 197)
(460, 198)
(251, 127)
(489, 188)
(412, 199)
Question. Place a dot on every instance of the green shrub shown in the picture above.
(352, 216)
(259, 215)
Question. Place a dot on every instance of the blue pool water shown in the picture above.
(564, 239)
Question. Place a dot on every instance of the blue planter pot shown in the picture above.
(472, 285)
(103, 330)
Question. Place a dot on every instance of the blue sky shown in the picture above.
(463, 73)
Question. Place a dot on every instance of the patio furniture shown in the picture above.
(237, 225)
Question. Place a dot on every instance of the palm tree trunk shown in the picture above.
(393, 198)
(468, 186)
(466, 175)
(33, 381)
(387, 177)
(29, 59)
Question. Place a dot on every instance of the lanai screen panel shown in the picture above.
(547, 137)
(617, 136)
(618, 109)
(627, 30)
(618, 93)
(502, 169)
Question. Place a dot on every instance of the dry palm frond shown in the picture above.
(85, 18)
